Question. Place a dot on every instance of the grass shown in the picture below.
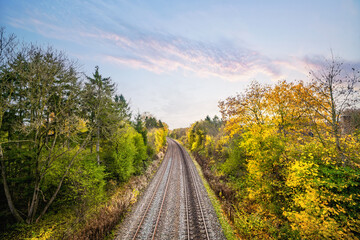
(224, 222)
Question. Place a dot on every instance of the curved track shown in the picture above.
(175, 204)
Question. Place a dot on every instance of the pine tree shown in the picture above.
(100, 107)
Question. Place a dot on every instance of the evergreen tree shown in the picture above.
(100, 108)
(139, 126)
(122, 107)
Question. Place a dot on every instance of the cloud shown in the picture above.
(156, 52)
(161, 53)
(321, 63)
(124, 44)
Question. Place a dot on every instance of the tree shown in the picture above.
(245, 109)
(285, 108)
(100, 109)
(8, 46)
(126, 153)
(139, 126)
(333, 91)
(7, 49)
(122, 107)
(48, 124)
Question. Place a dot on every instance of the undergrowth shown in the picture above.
(97, 222)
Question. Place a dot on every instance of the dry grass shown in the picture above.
(226, 194)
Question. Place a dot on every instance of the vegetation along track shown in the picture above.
(175, 205)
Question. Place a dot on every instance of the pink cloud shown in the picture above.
(160, 53)
(168, 53)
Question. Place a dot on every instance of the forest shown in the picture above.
(68, 141)
(284, 159)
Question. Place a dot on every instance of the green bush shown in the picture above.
(141, 155)
(126, 155)
(84, 185)
(235, 163)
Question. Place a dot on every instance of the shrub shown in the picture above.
(126, 155)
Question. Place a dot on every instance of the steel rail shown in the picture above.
(164, 196)
(186, 202)
(198, 198)
(192, 175)
(152, 196)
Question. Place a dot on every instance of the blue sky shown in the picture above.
(177, 59)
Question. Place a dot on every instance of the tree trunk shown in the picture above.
(13, 210)
(61, 181)
(98, 146)
(33, 206)
(335, 123)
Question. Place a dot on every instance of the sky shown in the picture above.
(177, 59)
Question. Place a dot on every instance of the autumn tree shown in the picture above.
(284, 145)
(285, 109)
(245, 109)
(334, 89)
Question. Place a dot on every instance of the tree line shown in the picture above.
(65, 138)
(286, 157)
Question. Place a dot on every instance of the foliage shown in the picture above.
(50, 119)
(200, 135)
(291, 152)
(139, 126)
(325, 196)
(85, 183)
(157, 138)
(126, 155)
(43, 120)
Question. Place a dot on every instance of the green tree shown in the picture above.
(126, 154)
(139, 126)
(99, 106)
(122, 107)
(49, 123)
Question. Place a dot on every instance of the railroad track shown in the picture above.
(175, 205)
(150, 203)
(195, 219)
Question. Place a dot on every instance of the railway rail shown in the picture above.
(192, 193)
(175, 205)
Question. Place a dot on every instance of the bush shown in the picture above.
(84, 185)
(141, 155)
(126, 155)
(324, 194)
(157, 138)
